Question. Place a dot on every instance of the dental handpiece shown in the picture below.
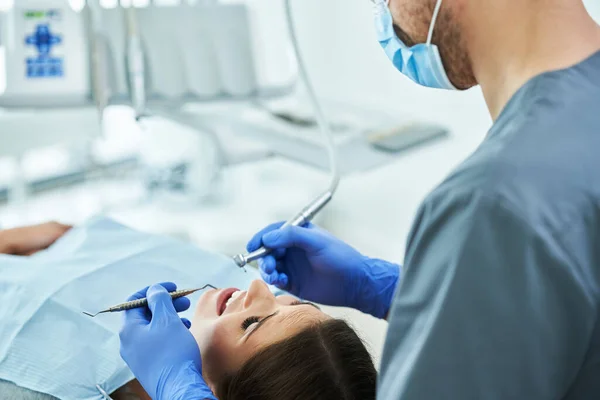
(303, 217)
(130, 305)
(308, 212)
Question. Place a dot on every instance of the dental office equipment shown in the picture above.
(163, 61)
(308, 212)
(45, 76)
(61, 66)
(55, 56)
(130, 305)
(136, 72)
(102, 71)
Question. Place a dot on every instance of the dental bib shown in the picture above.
(48, 345)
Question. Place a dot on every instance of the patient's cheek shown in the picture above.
(202, 330)
(219, 338)
(212, 336)
(217, 351)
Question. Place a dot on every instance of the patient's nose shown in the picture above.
(258, 291)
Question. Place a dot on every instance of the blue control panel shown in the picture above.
(44, 64)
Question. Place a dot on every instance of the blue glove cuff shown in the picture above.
(378, 287)
(188, 384)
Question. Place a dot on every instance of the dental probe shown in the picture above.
(308, 212)
(130, 305)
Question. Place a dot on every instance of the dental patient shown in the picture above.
(258, 346)
(253, 344)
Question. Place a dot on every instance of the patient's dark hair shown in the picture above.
(327, 361)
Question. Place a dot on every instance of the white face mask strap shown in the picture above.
(436, 12)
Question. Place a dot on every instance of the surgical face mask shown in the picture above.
(422, 63)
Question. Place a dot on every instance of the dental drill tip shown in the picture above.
(240, 260)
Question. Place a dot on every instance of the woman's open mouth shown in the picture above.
(224, 296)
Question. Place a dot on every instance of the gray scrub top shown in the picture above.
(500, 295)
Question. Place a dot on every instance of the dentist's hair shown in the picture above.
(327, 361)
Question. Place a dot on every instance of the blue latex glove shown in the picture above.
(161, 352)
(314, 265)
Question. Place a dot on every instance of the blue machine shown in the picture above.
(44, 65)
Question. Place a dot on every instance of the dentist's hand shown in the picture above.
(314, 265)
(161, 352)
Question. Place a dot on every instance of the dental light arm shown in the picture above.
(313, 208)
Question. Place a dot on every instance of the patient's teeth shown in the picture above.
(234, 295)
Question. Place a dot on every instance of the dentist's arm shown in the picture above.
(161, 352)
(312, 264)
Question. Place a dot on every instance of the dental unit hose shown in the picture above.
(136, 69)
(100, 59)
(313, 208)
